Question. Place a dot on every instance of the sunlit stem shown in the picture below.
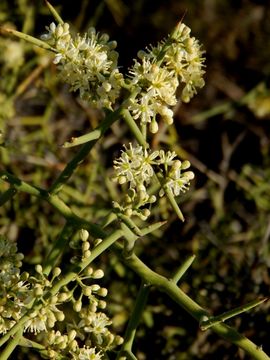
(183, 268)
(204, 325)
(54, 13)
(195, 310)
(134, 320)
(7, 195)
(11, 346)
(28, 38)
(84, 151)
(58, 248)
(144, 130)
(75, 141)
(134, 128)
(173, 202)
(127, 220)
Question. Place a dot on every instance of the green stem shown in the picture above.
(204, 325)
(134, 128)
(58, 248)
(93, 135)
(144, 131)
(183, 268)
(129, 355)
(83, 152)
(28, 38)
(195, 310)
(7, 195)
(54, 13)
(174, 204)
(134, 320)
(11, 346)
(53, 200)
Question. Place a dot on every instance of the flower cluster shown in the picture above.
(137, 167)
(13, 290)
(87, 63)
(83, 335)
(158, 74)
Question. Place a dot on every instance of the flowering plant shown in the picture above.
(60, 310)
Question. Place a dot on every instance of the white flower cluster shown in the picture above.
(13, 290)
(175, 61)
(19, 292)
(87, 63)
(137, 167)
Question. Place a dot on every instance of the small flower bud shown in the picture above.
(185, 165)
(152, 199)
(128, 212)
(66, 27)
(56, 272)
(189, 175)
(51, 354)
(95, 287)
(84, 234)
(24, 276)
(118, 340)
(38, 269)
(98, 274)
(146, 213)
(86, 254)
(122, 180)
(72, 334)
(62, 345)
(51, 337)
(88, 271)
(102, 304)
(153, 127)
(107, 86)
(52, 27)
(60, 316)
(77, 306)
(63, 296)
(85, 246)
(87, 291)
(38, 291)
(102, 292)
(51, 322)
(59, 30)
(54, 299)
(97, 242)
(93, 307)
(73, 345)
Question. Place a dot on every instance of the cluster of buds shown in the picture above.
(137, 167)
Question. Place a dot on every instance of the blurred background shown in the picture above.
(223, 131)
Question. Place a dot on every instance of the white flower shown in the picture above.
(36, 323)
(87, 353)
(98, 323)
(134, 166)
(137, 168)
(177, 181)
